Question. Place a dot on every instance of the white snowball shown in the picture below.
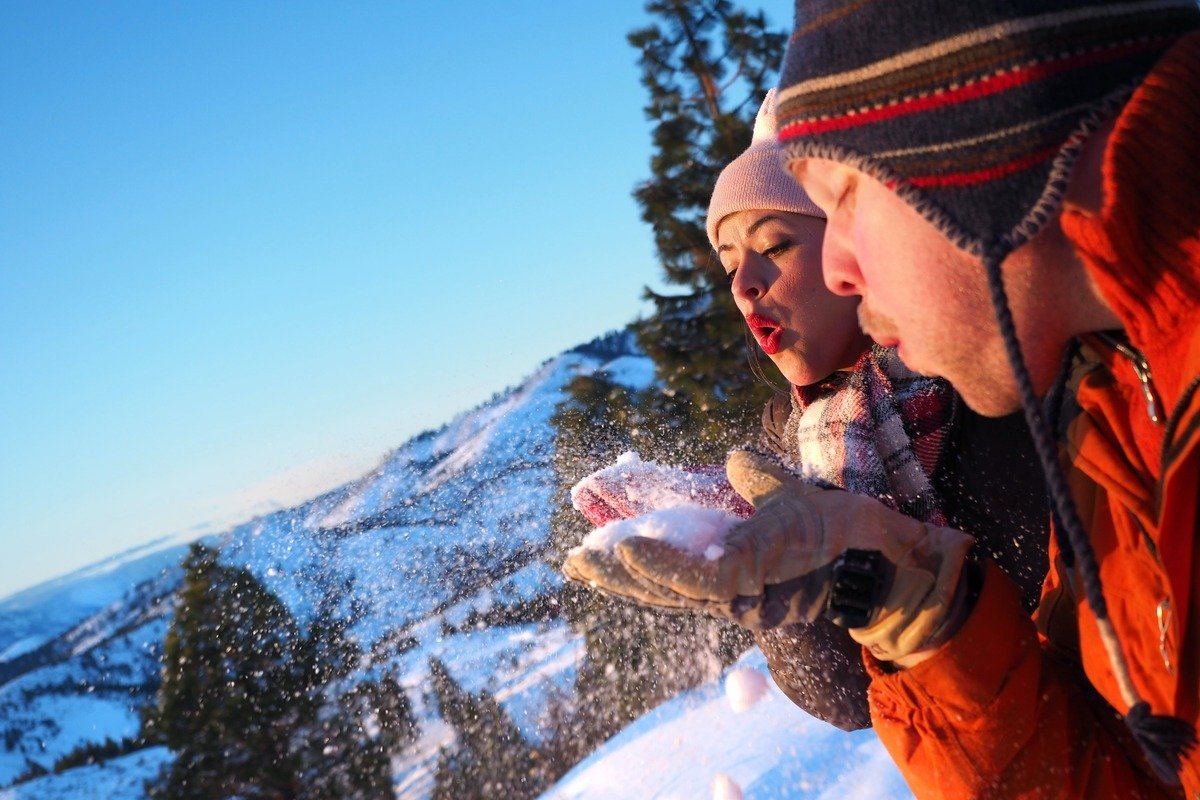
(725, 788)
(744, 687)
(693, 528)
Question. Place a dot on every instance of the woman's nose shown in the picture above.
(748, 283)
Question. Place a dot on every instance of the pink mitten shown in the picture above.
(632, 487)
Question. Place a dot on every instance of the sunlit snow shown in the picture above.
(745, 686)
(697, 530)
(772, 751)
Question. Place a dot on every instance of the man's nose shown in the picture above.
(839, 266)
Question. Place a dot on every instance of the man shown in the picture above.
(1012, 189)
(991, 158)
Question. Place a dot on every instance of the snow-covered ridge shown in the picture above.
(451, 520)
(449, 526)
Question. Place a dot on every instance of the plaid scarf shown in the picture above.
(878, 430)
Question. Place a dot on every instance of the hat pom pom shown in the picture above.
(764, 122)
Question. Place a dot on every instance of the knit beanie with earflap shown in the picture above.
(974, 113)
(757, 179)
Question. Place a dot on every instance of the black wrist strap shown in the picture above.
(859, 584)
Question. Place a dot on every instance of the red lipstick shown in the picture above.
(767, 332)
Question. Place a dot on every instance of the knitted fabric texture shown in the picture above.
(757, 179)
(971, 112)
(879, 430)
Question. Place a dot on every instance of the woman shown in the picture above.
(855, 417)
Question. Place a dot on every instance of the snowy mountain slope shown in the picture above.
(769, 751)
(520, 665)
(32, 618)
(90, 697)
(119, 779)
(443, 517)
(449, 523)
(446, 528)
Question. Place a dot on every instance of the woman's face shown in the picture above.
(773, 261)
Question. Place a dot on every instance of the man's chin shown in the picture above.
(989, 403)
(906, 357)
(988, 400)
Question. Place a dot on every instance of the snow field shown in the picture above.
(769, 751)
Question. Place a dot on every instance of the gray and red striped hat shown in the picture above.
(974, 111)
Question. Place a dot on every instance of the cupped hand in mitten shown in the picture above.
(603, 571)
(777, 567)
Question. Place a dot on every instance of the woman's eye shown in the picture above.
(729, 276)
(777, 250)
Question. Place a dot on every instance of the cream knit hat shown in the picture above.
(757, 179)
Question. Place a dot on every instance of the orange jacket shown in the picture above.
(1010, 709)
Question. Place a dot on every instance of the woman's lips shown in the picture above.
(767, 332)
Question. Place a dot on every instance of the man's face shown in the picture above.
(923, 295)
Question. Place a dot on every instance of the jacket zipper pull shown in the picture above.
(1163, 612)
(1142, 369)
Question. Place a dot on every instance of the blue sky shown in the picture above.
(246, 248)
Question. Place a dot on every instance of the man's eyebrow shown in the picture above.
(758, 223)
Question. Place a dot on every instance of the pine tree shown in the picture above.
(253, 709)
(230, 696)
(706, 67)
(490, 758)
(341, 759)
(392, 712)
(345, 745)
